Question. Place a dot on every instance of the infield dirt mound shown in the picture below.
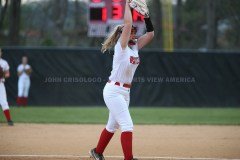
(149, 141)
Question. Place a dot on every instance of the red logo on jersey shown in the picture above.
(134, 60)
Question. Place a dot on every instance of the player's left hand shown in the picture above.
(28, 71)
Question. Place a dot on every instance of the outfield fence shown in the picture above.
(76, 76)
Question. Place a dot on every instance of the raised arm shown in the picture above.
(124, 38)
(148, 36)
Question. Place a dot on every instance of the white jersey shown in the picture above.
(23, 68)
(125, 63)
(4, 65)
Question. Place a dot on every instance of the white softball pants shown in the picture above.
(23, 87)
(3, 97)
(117, 100)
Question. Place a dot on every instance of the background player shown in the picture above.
(4, 73)
(117, 90)
(24, 71)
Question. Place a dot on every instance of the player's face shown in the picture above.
(133, 34)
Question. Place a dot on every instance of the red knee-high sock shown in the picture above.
(126, 140)
(19, 101)
(103, 141)
(25, 100)
(7, 115)
(22, 101)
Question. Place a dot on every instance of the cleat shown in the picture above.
(10, 123)
(95, 155)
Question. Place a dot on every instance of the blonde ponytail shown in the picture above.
(112, 38)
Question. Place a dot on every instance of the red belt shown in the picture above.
(119, 84)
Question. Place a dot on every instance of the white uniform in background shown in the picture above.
(23, 80)
(3, 95)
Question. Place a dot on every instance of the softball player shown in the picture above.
(116, 91)
(24, 70)
(4, 67)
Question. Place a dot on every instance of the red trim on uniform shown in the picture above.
(126, 140)
(127, 85)
(103, 141)
(7, 115)
(117, 83)
(124, 85)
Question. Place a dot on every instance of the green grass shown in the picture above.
(99, 115)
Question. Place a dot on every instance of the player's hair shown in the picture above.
(112, 38)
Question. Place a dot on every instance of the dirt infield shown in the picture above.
(70, 142)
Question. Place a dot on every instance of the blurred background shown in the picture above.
(196, 24)
(194, 59)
